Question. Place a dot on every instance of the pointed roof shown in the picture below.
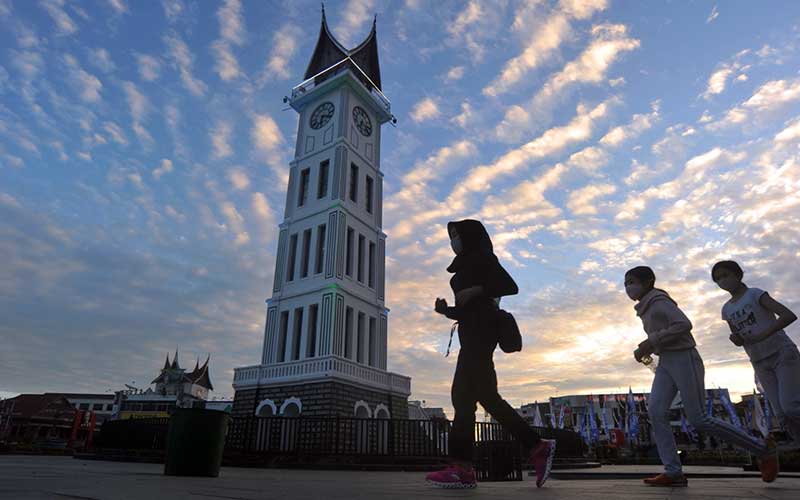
(329, 51)
(166, 363)
(175, 365)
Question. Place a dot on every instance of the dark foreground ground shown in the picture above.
(32, 477)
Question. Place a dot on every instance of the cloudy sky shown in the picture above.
(144, 149)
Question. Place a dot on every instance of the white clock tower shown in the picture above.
(325, 340)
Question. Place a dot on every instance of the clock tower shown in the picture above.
(326, 334)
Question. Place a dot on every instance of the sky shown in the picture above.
(144, 153)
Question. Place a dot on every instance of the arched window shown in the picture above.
(266, 408)
(361, 410)
(292, 407)
(381, 411)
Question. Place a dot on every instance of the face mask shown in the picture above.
(634, 291)
(455, 243)
(728, 283)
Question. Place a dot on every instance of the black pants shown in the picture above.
(475, 382)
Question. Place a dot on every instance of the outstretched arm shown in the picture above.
(785, 318)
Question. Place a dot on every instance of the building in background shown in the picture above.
(43, 421)
(418, 411)
(101, 404)
(175, 387)
(326, 331)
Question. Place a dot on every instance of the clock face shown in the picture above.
(321, 115)
(362, 121)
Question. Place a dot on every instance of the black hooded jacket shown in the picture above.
(477, 265)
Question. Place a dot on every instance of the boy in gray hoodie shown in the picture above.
(680, 369)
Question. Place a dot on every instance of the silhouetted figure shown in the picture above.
(680, 369)
(478, 282)
(756, 321)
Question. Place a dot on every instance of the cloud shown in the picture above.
(424, 110)
(581, 201)
(238, 179)
(716, 82)
(789, 134)
(770, 97)
(236, 222)
(231, 33)
(183, 60)
(284, 46)
(220, 136)
(138, 104)
(64, 24)
(149, 66)
(609, 42)
(713, 15)
(455, 73)
(638, 124)
(86, 85)
(115, 132)
(231, 22)
(172, 9)
(265, 134)
(355, 14)
(29, 63)
(164, 168)
(119, 6)
(101, 59)
(551, 141)
(475, 26)
(546, 38)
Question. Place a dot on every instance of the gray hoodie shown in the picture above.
(667, 328)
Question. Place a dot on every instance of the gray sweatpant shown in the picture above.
(780, 377)
(684, 371)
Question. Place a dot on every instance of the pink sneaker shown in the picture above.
(542, 460)
(453, 476)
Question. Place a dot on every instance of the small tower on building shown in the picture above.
(326, 333)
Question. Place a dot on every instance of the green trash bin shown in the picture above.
(195, 441)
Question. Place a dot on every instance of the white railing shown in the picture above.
(300, 89)
(332, 366)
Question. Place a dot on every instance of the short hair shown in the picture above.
(728, 265)
(643, 274)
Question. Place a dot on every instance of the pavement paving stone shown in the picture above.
(34, 478)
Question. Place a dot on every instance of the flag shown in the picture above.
(726, 401)
(552, 415)
(603, 415)
(633, 417)
(561, 418)
(759, 417)
(592, 421)
(687, 428)
(537, 417)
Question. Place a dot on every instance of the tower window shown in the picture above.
(282, 337)
(298, 331)
(360, 338)
(372, 352)
(292, 257)
(303, 194)
(305, 255)
(311, 347)
(360, 270)
(320, 249)
(371, 266)
(353, 183)
(369, 187)
(322, 182)
(348, 333)
(348, 267)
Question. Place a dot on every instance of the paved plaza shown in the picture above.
(27, 477)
